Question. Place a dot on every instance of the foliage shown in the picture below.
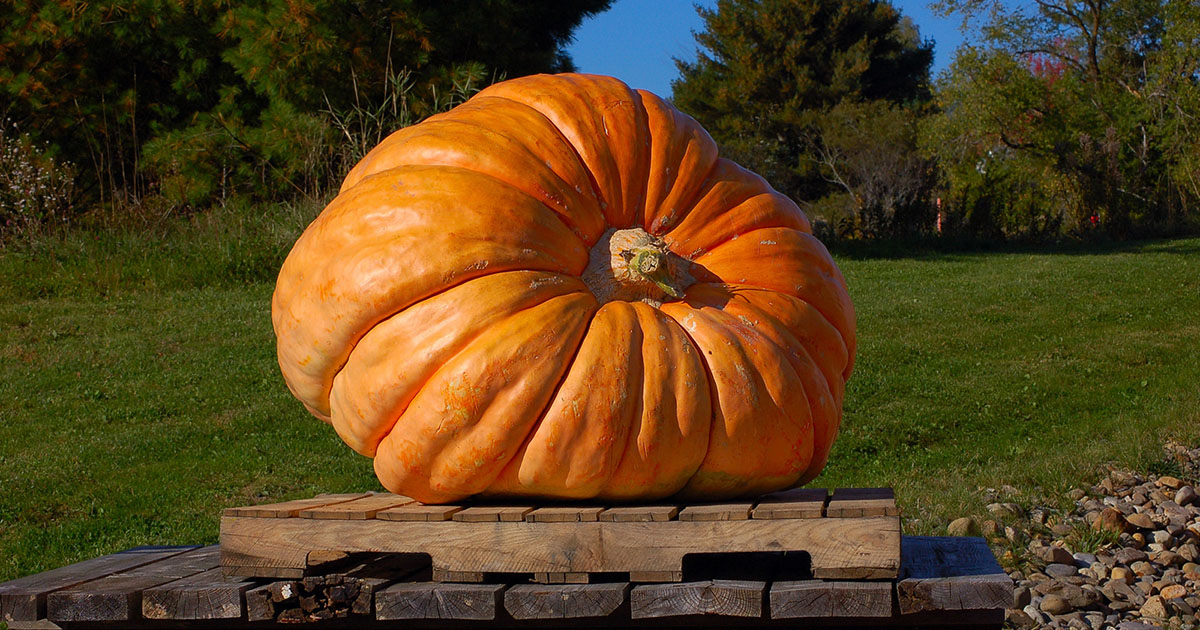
(35, 189)
(805, 92)
(203, 100)
(1075, 118)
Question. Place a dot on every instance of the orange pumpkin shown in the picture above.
(558, 289)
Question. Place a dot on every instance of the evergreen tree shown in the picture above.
(770, 74)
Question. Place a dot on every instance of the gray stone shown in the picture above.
(1129, 555)
(1055, 605)
(1137, 625)
(1084, 559)
(1059, 570)
(1185, 495)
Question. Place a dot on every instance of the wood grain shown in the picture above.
(418, 512)
(207, 595)
(536, 601)
(24, 599)
(860, 502)
(731, 598)
(950, 573)
(819, 599)
(564, 515)
(794, 503)
(356, 509)
(432, 600)
(640, 514)
(862, 548)
(490, 514)
(118, 597)
(716, 512)
(289, 509)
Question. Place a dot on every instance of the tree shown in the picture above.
(146, 92)
(770, 74)
(1076, 116)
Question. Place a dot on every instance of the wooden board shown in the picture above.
(859, 502)
(536, 601)
(948, 573)
(118, 597)
(840, 548)
(640, 514)
(25, 599)
(816, 599)
(290, 508)
(564, 515)
(207, 595)
(356, 509)
(795, 503)
(730, 598)
(716, 512)
(418, 512)
(433, 600)
(489, 514)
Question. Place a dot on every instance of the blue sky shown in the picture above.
(636, 40)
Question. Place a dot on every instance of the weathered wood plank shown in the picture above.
(848, 548)
(207, 595)
(446, 575)
(118, 597)
(492, 514)
(950, 573)
(535, 601)
(640, 513)
(731, 598)
(24, 599)
(656, 576)
(819, 599)
(356, 509)
(289, 508)
(716, 512)
(794, 503)
(564, 515)
(860, 502)
(419, 512)
(434, 600)
(559, 577)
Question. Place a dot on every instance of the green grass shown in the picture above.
(139, 393)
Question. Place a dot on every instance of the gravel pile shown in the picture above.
(1126, 556)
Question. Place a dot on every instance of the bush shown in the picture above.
(36, 191)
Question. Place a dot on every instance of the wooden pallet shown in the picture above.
(851, 534)
(943, 581)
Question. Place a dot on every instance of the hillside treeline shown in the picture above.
(182, 104)
(1060, 118)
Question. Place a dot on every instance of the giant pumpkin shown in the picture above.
(558, 289)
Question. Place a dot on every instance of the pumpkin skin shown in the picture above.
(558, 289)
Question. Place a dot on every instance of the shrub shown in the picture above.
(35, 189)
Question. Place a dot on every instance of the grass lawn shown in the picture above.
(139, 396)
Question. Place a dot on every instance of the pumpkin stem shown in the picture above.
(632, 265)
